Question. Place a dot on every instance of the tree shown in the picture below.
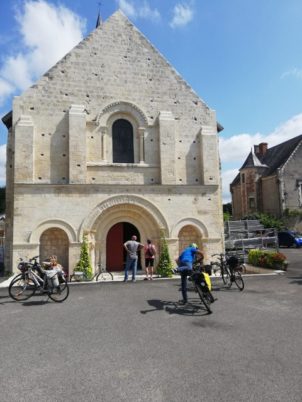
(84, 264)
(164, 267)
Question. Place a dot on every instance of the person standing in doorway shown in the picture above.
(132, 247)
(150, 252)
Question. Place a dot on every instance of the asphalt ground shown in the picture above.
(133, 342)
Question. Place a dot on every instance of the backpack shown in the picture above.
(150, 251)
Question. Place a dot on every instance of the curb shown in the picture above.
(120, 279)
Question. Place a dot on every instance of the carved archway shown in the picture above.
(142, 214)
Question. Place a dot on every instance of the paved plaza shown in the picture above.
(133, 342)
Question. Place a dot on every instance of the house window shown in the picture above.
(251, 203)
(122, 142)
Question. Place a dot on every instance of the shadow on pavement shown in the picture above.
(297, 280)
(193, 307)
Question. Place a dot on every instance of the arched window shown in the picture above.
(122, 142)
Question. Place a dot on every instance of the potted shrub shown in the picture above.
(279, 261)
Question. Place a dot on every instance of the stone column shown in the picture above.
(167, 147)
(141, 133)
(24, 150)
(77, 144)
(104, 135)
(209, 155)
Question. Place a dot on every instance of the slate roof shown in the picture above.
(252, 161)
(276, 156)
(273, 159)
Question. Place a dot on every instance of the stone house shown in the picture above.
(111, 142)
(270, 180)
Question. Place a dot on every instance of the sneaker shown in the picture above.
(125, 280)
(133, 280)
(175, 271)
(183, 302)
(145, 279)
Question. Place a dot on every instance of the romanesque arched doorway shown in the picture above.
(188, 234)
(55, 241)
(115, 252)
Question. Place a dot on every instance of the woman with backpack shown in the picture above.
(150, 252)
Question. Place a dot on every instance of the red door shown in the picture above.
(114, 248)
(115, 252)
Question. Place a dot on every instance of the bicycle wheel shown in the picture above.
(59, 293)
(239, 280)
(104, 276)
(204, 299)
(226, 277)
(22, 288)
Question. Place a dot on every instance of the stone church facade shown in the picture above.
(111, 142)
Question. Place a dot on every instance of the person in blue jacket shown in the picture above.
(185, 265)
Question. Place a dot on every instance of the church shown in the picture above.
(111, 142)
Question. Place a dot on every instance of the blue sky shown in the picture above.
(242, 57)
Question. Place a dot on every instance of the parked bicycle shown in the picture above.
(230, 270)
(202, 285)
(101, 274)
(34, 278)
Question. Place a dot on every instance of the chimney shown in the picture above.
(256, 149)
(262, 148)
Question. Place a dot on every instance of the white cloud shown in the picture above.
(294, 72)
(182, 15)
(5, 90)
(143, 11)
(2, 164)
(227, 177)
(47, 33)
(235, 149)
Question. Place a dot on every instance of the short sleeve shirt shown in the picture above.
(132, 246)
(188, 254)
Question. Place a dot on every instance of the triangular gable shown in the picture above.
(103, 63)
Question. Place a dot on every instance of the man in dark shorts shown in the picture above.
(150, 252)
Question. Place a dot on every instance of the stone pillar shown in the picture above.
(209, 155)
(104, 142)
(77, 144)
(24, 150)
(167, 147)
(141, 133)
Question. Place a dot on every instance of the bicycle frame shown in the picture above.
(39, 282)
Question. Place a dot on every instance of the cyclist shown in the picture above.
(185, 265)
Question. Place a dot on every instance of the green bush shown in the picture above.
(266, 259)
(164, 268)
(267, 220)
(294, 213)
(84, 264)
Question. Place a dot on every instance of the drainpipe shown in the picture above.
(282, 201)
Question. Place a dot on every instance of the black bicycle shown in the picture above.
(201, 287)
(230, 269)
(34, 278)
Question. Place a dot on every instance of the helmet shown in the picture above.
(193, 245)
